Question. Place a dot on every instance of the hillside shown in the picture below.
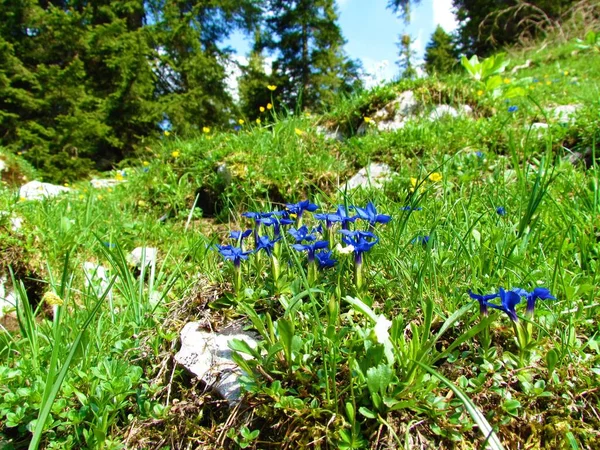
(458, 308)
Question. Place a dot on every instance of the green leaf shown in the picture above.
(379, 378)
(285, 328)
(492, 439)
(367, 413)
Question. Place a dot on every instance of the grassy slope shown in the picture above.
(127, 350)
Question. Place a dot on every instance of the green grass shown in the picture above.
(98, 369)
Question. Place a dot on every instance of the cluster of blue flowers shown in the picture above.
(316, 242)
(510, 299)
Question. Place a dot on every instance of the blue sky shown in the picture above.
(372, 31)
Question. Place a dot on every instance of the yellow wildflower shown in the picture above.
(566, 73)
(141, 203)
(175, 154)
(241, 121)
(261, 109)
(548, 82)
(167, 133)
(52, 299)
(506, 80)
(145, 164)
(205, 129)
(480, 92)
(66, 185)
(258, 121)
(435, 176)
(271, 87)
(269, 106)
(298, 131)
(367, 119)
(22, 199)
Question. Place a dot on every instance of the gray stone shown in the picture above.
(208, 356)
(8, 298)
(440, 111)
(330, 135)
(146, 254)
(565, 113)
(394, 115)
(36, 190)
(375, 175)
(102, 183)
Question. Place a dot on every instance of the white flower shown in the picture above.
(381, 329)
(343, 250)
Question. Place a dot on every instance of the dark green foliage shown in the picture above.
(495, 24)
(441, 56)
(83, 84)
(402, 7)
(310, 66)
(406, 57)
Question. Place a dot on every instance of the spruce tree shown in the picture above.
(440, 53)
(406, 58)
(310, 66)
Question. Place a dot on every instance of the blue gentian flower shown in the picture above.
(538, 293)
(276, 223)
(508, 301)
(411, 208)
(423, 240)
(300, 207)
(237, 128)
(340, 216)
(324, 259)
(311, 248)
(512, 108)
(501, 211)
(266, 244)
(235, 254)
(483, 301)
(239, 236)
(362, 241)
(479, 154)
(370, 214)
(301, 234)
(109, 244)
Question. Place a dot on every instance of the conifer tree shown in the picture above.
(310, 65)
(406, 58)
(440, 53)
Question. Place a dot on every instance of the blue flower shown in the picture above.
(361, 241)
(276, 223)
(411, 208)
(237, 128)
(325, 260)
(423, 240)
(370, 214)
(508, 301)
(235, 254)
(311, 248)
(266, 244)
(512, 108)
(339, 216)
(300, 207)
(109, 244)
(483, 301)
(256, 216)
(239, 236)
(479, 154)
(501, 211)
(301, 234)
(538, 293)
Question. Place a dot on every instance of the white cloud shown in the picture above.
(378, 71)
(443, 15)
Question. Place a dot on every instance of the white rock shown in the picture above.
(2, 165)
(375, 175)
(36, 190)
(393, 116)
(146, 254)
(208, 356)
(565, 113)
(539, 126)
(16, 223)
(8, 298)
(101, 183)
(330, 135)
(447, 110)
